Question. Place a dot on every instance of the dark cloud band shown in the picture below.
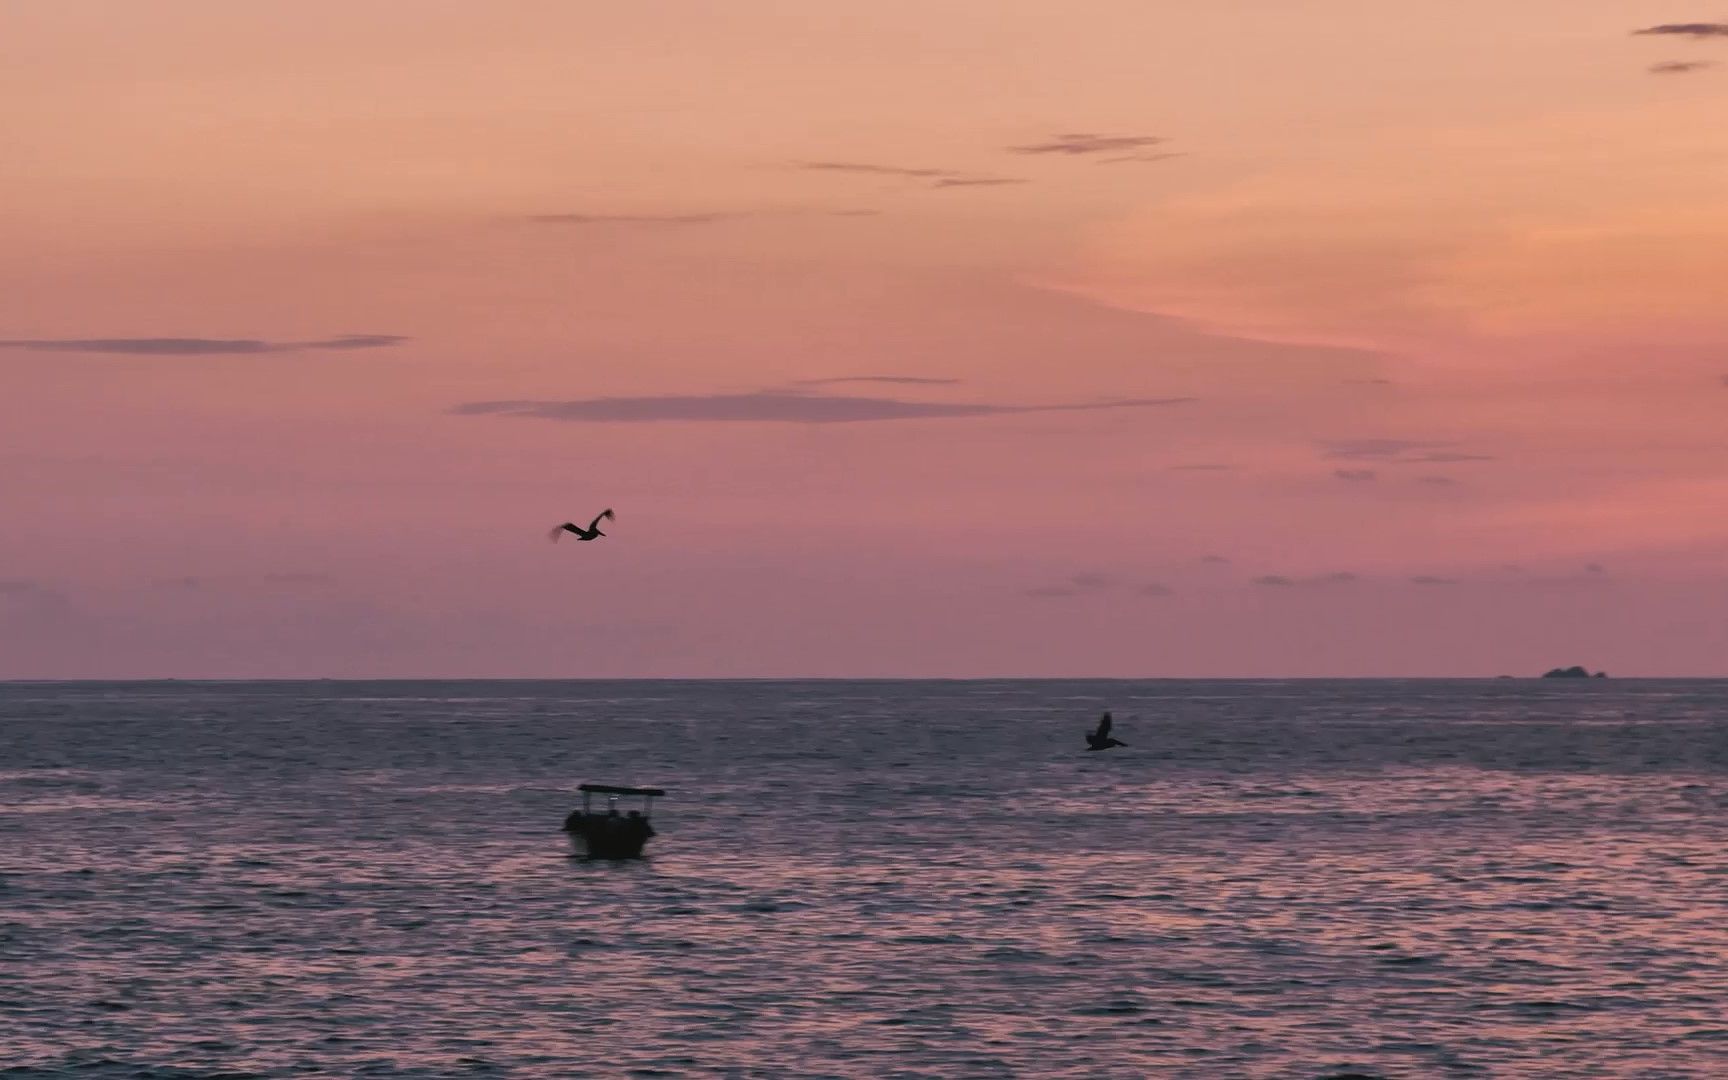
(1081, 143)
(1691, 30)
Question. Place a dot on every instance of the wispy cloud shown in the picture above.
(772, 407)
(1430, 579)
(1081, 143)
(1398, 451)
(1679, 67)
(1341, 577)
(1205, 467)
(1140, 158)
(636, 219)
(936, 178)
(1356, 475)
(712, 217)
(895, 380)
(1375, 449)
(1436, 481)
(1215, 560)
(876, 170)
(1697, 30)
(198, 346)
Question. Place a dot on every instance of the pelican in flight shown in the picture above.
(1100, 739)
(592, 532)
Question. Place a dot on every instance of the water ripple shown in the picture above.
(209, 881)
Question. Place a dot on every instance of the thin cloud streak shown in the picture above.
(1340, 577)
(1445, 457)
(940, 178)
(1399, 451)
(1080, 143)
(199, 346)
(1691, 30)
(1376, 449)
(711, 217)
(895, 380)
(635, 219)
(875, 170)
(1140, 158)
(1679, 67)
(771, 408)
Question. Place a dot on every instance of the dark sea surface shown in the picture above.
(866, 879)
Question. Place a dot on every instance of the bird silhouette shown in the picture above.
(1100, 739)
(592, 532)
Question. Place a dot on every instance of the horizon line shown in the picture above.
(226, 679)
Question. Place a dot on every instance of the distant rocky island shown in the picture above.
(1573, 673)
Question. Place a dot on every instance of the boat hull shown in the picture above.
(602, 849)
(601, 843)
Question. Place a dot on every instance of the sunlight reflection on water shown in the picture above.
(866, 879)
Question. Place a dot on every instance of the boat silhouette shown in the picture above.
(607, 834)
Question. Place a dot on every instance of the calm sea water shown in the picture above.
(870, 879)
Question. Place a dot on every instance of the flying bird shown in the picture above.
(1100, 739)
(592, 532)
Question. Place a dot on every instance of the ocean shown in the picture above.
(1509, 878)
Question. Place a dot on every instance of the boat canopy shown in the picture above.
(613, 789)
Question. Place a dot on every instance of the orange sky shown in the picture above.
(1401, 351)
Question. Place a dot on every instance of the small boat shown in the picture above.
(607, 834)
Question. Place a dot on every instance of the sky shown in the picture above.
(924, 339)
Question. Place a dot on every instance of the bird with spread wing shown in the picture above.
(1100, 739)
(592, 532)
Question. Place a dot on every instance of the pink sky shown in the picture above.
(1411, 332)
